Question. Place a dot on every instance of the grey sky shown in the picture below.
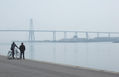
(82, 15)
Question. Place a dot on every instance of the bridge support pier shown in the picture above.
(65, 35)
(54, 36)
(76, 33)
(109, 35)
(87, 37)
(97, 34)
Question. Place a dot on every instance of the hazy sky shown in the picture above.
(82, 15)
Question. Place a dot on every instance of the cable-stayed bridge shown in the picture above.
(31, 32)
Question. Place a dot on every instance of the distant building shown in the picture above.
(97, 39)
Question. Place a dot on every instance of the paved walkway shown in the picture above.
(28, 68)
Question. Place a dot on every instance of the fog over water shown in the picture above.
(74, 15)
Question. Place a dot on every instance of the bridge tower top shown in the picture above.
(31, 24)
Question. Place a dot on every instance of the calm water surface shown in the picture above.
(103, 56)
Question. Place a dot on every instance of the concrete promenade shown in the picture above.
(28, 68)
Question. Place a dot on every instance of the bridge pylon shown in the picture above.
(31, 31)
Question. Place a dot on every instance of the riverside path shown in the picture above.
(29, 68)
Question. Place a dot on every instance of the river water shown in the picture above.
(97, 55)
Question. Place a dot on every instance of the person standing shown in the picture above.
(22, 50)
(13, 45)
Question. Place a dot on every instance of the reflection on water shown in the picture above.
(94, 55)
(31, 50)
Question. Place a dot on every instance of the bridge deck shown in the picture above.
(28, 68)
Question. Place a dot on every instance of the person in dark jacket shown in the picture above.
(13, 45)
(22, 50)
